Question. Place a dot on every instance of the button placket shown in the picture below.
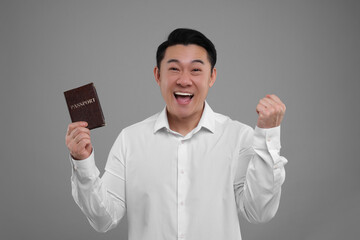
(182, 188)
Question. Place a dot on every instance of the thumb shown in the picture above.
(88, 147)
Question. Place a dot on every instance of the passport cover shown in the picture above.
(83, 104)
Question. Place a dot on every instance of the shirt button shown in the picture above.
(268, 139)
(182, 171)
(181, 236)
(182, 203)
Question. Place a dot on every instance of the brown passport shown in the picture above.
(83, 104)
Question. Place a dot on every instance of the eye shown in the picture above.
(196, 70)
(173, 69)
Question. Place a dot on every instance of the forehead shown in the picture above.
(186, 53)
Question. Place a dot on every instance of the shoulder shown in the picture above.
(135, 133)
(228, 123)
(133, 136)
(144, 126)
(233, 129)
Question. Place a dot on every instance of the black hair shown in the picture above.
(185, 37)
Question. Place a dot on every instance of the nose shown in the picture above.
(184, 80)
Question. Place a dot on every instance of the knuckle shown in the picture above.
(87, 131)
(72, 125)
(81, 135)
(266, 114)
(75, 131)
(77, 139)
(271, 110)
(78, 131)
(278, 109)
(80, 144)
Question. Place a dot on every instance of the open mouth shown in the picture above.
(183, 98)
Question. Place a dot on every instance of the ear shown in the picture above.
(157, 75)
(212, 77)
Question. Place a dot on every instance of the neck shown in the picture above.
(184, 125)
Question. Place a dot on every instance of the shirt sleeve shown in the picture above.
(102, 200)
(258, 189)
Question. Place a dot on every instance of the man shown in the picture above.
(186, 172)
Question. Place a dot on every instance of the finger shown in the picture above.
(277, 100)
(89, 147)
(84, 143)
(274, 97)
(78, 131)
(268, 103)
(274, 106)
(81, 136)
(74, 125)
(72, 146)
(78, 146)
(260, 109)
(73, 137)
(81, 150)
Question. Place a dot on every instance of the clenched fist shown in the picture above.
(271, 111)
(78, 140)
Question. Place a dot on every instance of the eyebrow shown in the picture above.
(193, 61)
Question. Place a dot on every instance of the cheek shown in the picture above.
(171, 78)
(203, 86)
(168, 83)
(165, 88)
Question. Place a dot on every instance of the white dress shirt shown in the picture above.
(191, 187)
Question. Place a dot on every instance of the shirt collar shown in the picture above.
(207, 120)
(161, 121)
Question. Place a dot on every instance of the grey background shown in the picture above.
(307, 52)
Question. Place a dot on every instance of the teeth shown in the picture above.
(183, 94)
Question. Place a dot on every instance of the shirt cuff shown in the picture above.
(267, 138)
(85, 167)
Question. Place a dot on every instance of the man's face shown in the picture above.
(185, 78)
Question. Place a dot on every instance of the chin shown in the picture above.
(181, 113)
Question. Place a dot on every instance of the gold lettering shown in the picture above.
(82, 104)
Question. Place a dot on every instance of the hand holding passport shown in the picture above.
(83, 104)
(86, 113)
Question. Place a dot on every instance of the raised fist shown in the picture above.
(271, 111)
